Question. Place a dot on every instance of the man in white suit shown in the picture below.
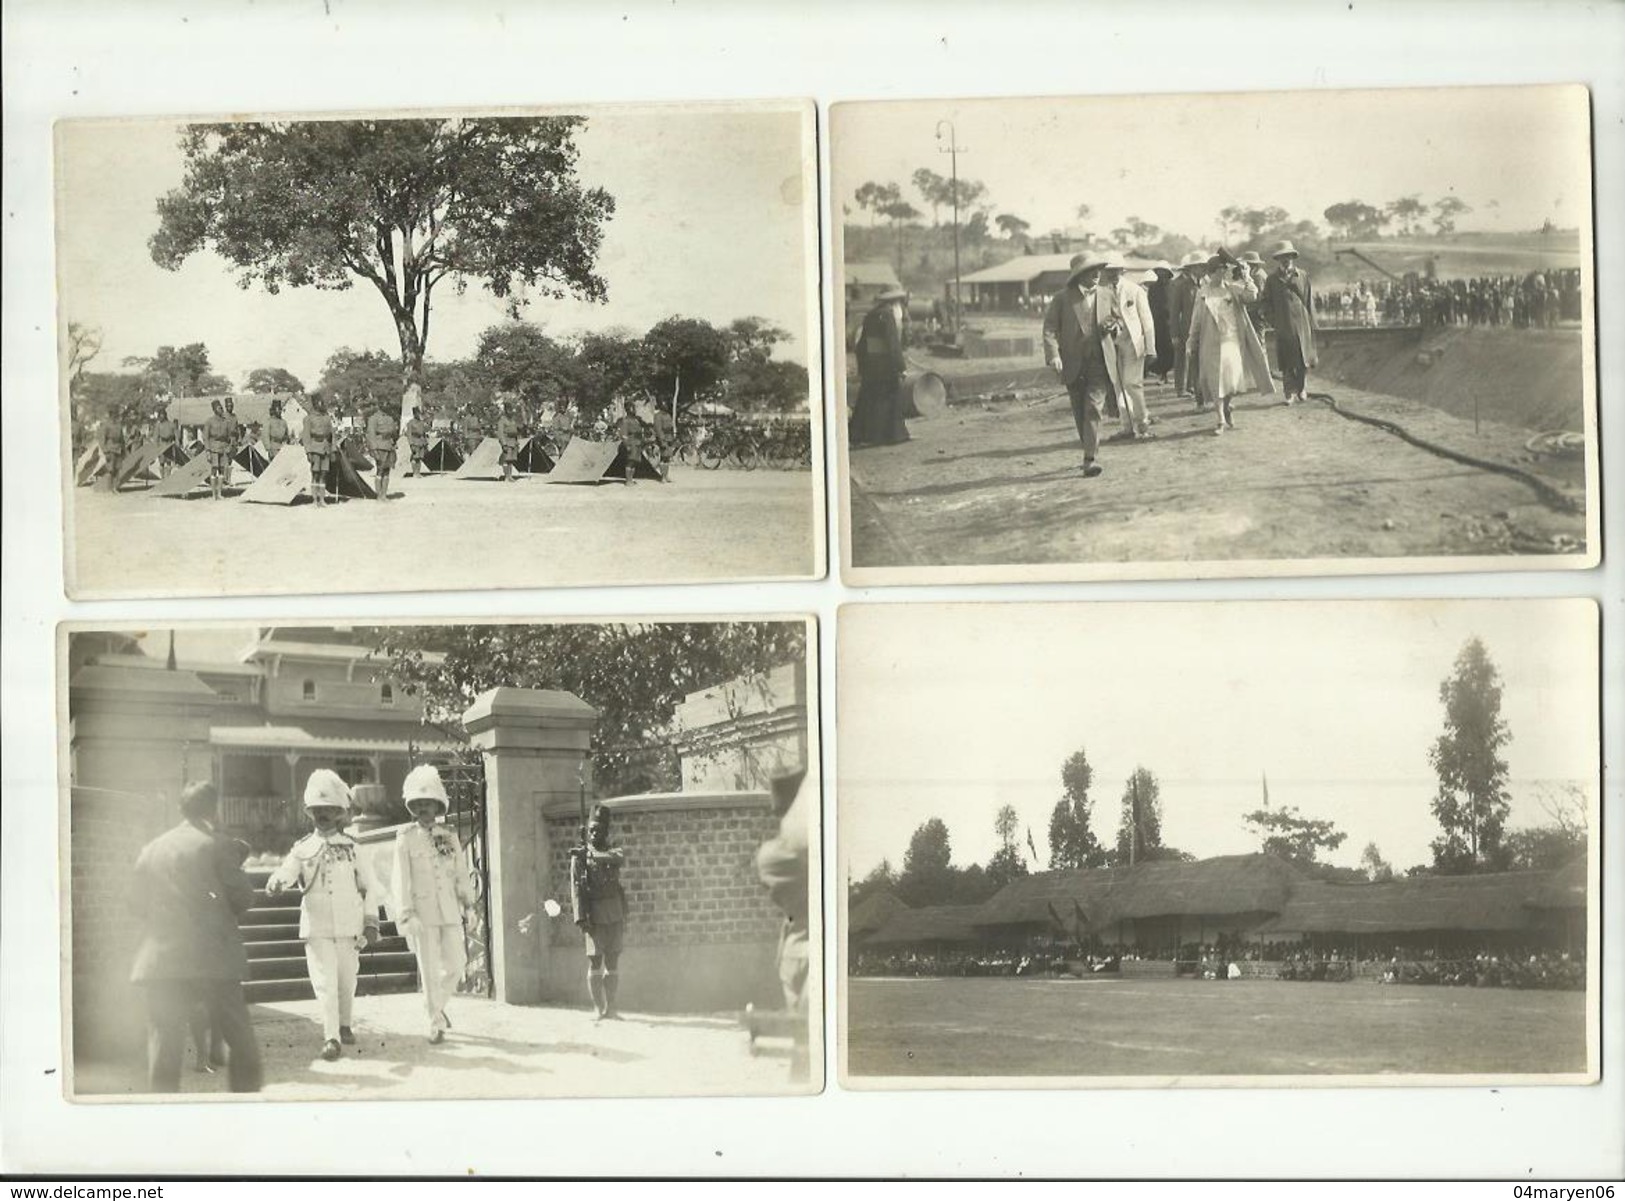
(1135, 339)
(432, 892)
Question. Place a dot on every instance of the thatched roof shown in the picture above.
(1229, 884)
(932, 924)
(1489, 902)
(1564, 889)
(871, 913)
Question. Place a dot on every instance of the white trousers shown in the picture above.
(1131, 373)
(441, 960)
(333, 964)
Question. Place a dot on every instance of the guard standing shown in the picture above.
(167, 433)
(383, 431)
(630, 429)
(507, 433)
(417, 440)
(338, 906)
(473, 432)
(110, 438)
(600, 911)
(318, 441)
(276, 432)
(564, 426)
(218, 440)
(432, 893)
(665, 441)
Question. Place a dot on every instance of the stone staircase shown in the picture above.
(276, 957)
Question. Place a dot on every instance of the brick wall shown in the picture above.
(690, 875)
(106, 832)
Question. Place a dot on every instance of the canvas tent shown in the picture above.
(484, 464)
(186, 479)
(252, 459)
(443, 454)
(587, 461)
(91, 464)
(533, 457)
(283, 481)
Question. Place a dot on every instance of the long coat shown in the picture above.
(1065, 338)
(877, 418)
(189, 892)
(1290, 306)
(1181, 300)
(1204, 339)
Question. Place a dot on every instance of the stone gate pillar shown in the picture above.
(535, 746)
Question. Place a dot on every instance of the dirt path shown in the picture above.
(442, 533)
(1001, 485)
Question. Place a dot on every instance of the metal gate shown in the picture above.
(465, 787)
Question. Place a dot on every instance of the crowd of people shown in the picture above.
(1536, 301)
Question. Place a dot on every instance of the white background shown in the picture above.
(71, 58)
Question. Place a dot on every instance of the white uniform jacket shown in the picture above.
(1137, 319)
(429, 878)
(341, 894)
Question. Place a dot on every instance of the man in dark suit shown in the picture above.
(1291, 308)
(189, 892)
(1181, 301)
(1079, 329)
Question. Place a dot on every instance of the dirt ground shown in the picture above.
(442, 533)
(1177, 1028)
(493, 1051)
(999, 483)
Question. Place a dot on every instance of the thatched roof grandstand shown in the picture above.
(1229, 884)
(933, 925)
(872, 913)
(1498, 902)
(1564, 889)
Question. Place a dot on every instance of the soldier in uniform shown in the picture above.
(338, 906)
(167, 433)
(432, 893)
(417, 439)
(318, 442)
(630, 430)
(110, 438)
(600, 911)
(276, 431)
(473, 433)
(219, 440)
(665, 441)
(564, 425)
(507, 435)
(189, 892)
(383, 431)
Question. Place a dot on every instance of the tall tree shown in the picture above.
(518, 357)
(685, 357)
(1377, 869)
(881, 878)
(1011, 226)
(1472, 800)
(609, 364)
(634, 673)
(84, 344)
(1355, 219)
(1406, 211)
(180, 370)
(1445, 212)
(1289, 834)
(927, 877)
(874, 197)
(933, 189)
(900, 212)
(353, 381)
(1072, 843)
(273, 379)
(1560, 838)
(1007, 863)
(1139, 832)
(403, 205)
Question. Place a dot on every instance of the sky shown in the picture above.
(952, 711)
(1175, 161)
(711, 221)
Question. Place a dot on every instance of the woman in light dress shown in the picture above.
(1222, 343)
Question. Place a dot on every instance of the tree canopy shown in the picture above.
(1071, 841)
(634, 674)
(1139, 831)
(273, 379)
(403, 205)
(1288, 833)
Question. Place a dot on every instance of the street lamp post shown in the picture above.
(952, 150)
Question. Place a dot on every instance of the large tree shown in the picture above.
(84, 344)
(1472, 800)
(1445, 212)
(1288, 833)
(1071, 842)
(685, 358)
(1355, 219)
(1007, 863)
(180, 371)
(928, 877)
(518, 357)
(273, 379)
(354, 381)
(1139, 831)
(874, 197)
(403, 205)
(634, 673)
(1406, 211)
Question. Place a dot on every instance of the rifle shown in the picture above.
(580, 903)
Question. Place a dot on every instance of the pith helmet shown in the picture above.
(325, 788)
(423, 783)
(1283, 250)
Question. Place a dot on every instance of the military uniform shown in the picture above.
(665, 438)
(318, 440)
(630, 429)
(600, 903)
(431, 888)
(219, 440)
(338, 910)
(417, 440)
(110, 438)
(473, 434)
(507, 434)
(276, 436)
(383, 430)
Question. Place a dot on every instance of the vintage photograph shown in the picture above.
(1243, 334)
(327, 862)
(1259, 843)
(378, 334)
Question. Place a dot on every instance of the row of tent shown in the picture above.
(1261, 894)
(283, 479)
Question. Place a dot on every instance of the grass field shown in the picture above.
(1179, 1028)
